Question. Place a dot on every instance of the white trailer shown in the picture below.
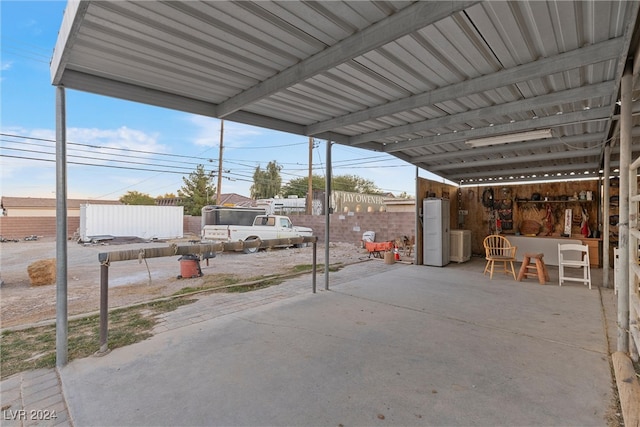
(147, 222)
(283, 206)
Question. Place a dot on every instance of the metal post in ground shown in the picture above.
(104, 309)
(62, 319)
(313, 268)
(626, 123)
(605, 214)
(327, 220)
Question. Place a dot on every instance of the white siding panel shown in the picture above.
(147, 222)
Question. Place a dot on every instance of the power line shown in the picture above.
(270, 146)
(36, 58)
(101, 147)
(87, 157)
(93, 164)
(357, 165)
(337, 163)
(43, 50)
(20, 48)
(85, 151)
(175, 168)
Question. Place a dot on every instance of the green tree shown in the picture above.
(351, 183)
(137, 198)
(266, 183)
(299, 186)
(196, 191)
(354, 184)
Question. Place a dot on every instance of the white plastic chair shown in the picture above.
(576, 256)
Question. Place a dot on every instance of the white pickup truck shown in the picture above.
(264, 227)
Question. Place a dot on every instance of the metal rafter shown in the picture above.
(607, 50)
(506, 148)
(541, 170)
(511, 160)
(406, 21)
(602, 113)
(543, 101)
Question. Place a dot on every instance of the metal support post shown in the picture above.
(104, 309)
(623, 229)
(606, 192)
(417, 218)
(327, 211)
(314, 266)
(62, 319)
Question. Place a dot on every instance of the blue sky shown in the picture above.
(136, 147)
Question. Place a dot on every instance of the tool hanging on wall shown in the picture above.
(460, 210)
(487, 198)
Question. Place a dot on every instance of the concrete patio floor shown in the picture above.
(387, 345)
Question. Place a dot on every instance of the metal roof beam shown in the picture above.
(566, 61)
(594, 166)
(519, 159)
(594, 114)
(631, 17)
(405, 21)
(71, 22)
(131, 92)
(521, 180)
(537, 170)
(571, 95)
(505, 148)
(103, 86)
(290, 127)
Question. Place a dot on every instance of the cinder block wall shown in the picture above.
(191, 225)
(347, 228)
(15, 227)
(344, 228)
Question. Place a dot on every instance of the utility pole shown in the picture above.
(220, 164)
(310, 183)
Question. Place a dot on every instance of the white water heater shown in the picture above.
(460, 250)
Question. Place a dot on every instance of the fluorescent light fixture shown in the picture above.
(512, 137)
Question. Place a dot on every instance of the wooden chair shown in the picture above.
(498, 248)
(575, 256)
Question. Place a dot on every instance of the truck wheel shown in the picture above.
(250, 250)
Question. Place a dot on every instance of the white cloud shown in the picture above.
(32, 177)
(122, 137)
(208, 132)
(5, 66)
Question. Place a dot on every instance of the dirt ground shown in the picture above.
(131, 281)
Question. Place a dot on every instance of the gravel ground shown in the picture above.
(130, 281)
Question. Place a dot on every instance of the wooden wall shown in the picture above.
(549, 216)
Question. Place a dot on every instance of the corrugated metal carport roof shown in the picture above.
(413, 79)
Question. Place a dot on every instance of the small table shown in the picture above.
(538, 269)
